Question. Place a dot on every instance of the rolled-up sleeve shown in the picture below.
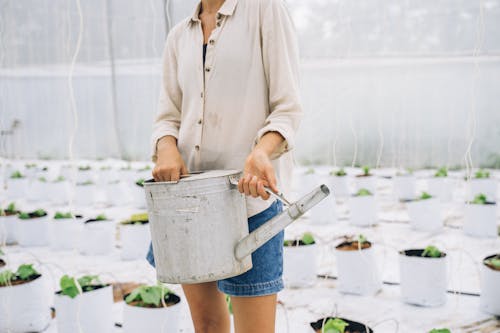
(281, 65)
(168, 118)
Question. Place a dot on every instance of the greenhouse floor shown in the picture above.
(384, 312)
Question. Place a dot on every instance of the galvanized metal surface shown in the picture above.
(199, 227)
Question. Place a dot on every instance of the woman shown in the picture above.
(230, 100)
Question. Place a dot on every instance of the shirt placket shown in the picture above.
(207, 71)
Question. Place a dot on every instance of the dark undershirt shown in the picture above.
(204, 53)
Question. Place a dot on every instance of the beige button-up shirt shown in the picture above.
(247, 87)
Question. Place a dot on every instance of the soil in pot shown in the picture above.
(170, 299)
(353, 326)
(418, 253)
(353, 246)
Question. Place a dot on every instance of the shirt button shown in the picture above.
(219, 15)
(200, 121)
(212, 42)
(201, 95)
(197, 147)
(207, 69)
(218, 24)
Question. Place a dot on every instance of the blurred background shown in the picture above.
(388, 83)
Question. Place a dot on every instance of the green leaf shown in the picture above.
(24, 216)
(68, 286)
(366, 170)
(140, 182)
(151, 295)
(142, 217)
(442, 172)
(229, 304)
(135, 295)
(480, 199)
(84, 168)
(88, 280)
(481, 174)
(361, 239)
(307, 238)
(6, 277)
(25, 272)
(363, 193)
(11, 207)
(101, 217)
(425, 196)
(335, 325)
(440, 330)
(16, 175)
(431, 252)
(494, 262)
(60, 215)
(340, 173)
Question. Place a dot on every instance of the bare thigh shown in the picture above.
(208, 307)
(254, 314)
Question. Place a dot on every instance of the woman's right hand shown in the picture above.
(169, 164)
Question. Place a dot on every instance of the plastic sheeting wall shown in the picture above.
(395, 83)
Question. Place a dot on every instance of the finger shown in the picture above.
(240, 185)
(154, 173)
(252, 186)
(175, 175)
(246, 180)
(261, 191)
(184, 170)
(164, 174)
(271, 178)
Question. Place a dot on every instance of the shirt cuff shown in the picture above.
(284, 147)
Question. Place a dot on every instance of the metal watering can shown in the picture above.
(199, 226)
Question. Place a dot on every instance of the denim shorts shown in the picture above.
(265, 277)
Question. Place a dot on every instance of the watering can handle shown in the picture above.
(234, 181)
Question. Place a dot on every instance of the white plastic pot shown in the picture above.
(340, 186)
(90, 312)
(117, 193)
(135, 240)
(138, 320)
(358, 272)
(425, 214)
(365, 182)
(490, 290)
(480, 220)
(363, 210)
(324, 212)
(299, 265)
(25, 307)
(486, 186)
(405, 187)
(98, 238)
(423, 280)
(85, 195)
(8, 229)
(65, 234)
(440, 187)
(17, 188)
(138, 196)
(58, 192)
(33, 232)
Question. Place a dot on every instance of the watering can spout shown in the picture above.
(271, 228)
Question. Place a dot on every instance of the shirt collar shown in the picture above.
(226, 9)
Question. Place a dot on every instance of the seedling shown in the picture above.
(72, 287)
(440, 330)
(339, 173)
(361, 239)
(146, 168)
(87, 182)
(60, 215)
(493, 262)
(480, 199)
(101, 217)
(35, 214)
(441, 173)
(482, 174)
(16, 175)
(140, 182)
(24, 273)
(42, 179)
(363, 193)
(432, 252)
(366, 170)
(148, 296)
(307, 239)
(141, 218)
(335, 325)
(84, 168)
(59, 179)
(425, 196)
(10, 210)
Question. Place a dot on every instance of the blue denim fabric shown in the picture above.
(265, 278)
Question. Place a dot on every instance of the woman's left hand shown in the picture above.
(258, 172)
